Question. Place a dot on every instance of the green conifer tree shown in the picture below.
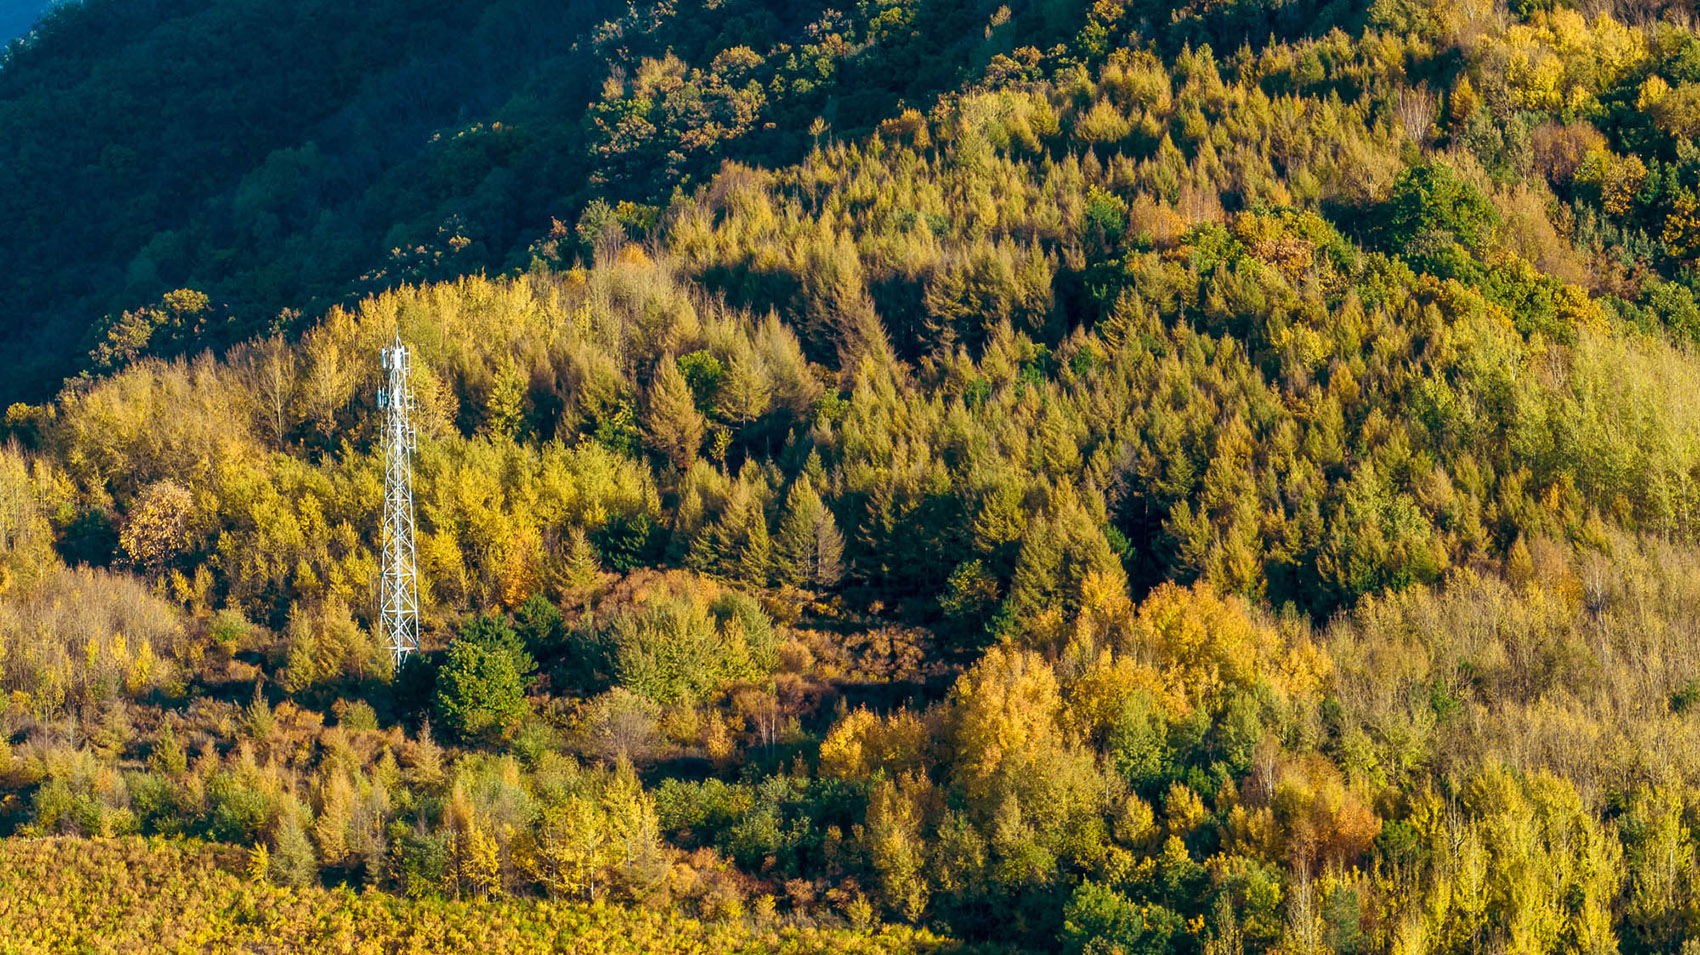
(809, 549)
(737, 545)
(505, 410)
(671, 422)
(293, 862)
(582, 565)
(746, 392)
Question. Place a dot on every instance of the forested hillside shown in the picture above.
(331, 149)
(1148, 478)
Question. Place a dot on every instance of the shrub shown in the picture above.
(481, 687)
(356, 715)
(1431, 211)
(679, 646)
(1100, 921)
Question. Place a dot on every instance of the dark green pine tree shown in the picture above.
(809, 550)
(737, 545)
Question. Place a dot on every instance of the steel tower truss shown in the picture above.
(398, 598)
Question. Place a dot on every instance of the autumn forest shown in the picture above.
(1200, 477)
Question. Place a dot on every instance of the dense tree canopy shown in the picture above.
(1171, 478)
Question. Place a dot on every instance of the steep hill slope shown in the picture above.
(129, 895)
(282, 157)
(1142, 495)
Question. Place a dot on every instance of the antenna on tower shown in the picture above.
(398, 591)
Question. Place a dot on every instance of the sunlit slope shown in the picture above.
(135, 896)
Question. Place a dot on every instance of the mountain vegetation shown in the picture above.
(1183, 478)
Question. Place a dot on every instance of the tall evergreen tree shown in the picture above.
(746, 391)
(582, 565)
(809, 549)
(736, 545)
(671, 421)
(505, 407)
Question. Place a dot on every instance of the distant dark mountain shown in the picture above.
(280, 157)
(253, 151)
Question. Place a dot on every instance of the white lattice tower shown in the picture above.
(398, 597)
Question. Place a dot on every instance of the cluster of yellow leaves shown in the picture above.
(1006, 718)
(1682, 226)
(1204, 642)
(134, 895)
(1524, 863)
(79, 635)
(1183, 646)
(1560, 60)
(863, 743)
